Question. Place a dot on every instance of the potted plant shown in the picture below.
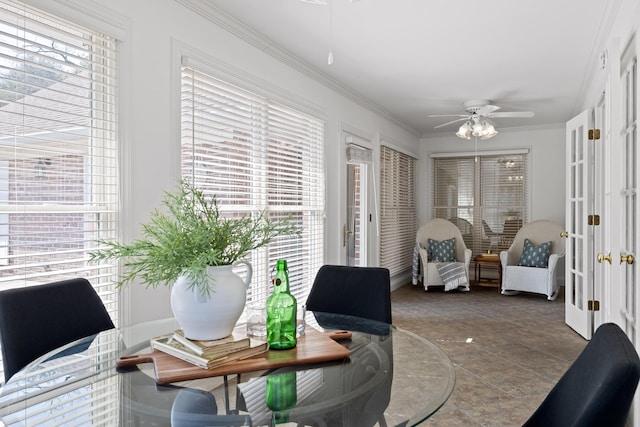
(193, 247)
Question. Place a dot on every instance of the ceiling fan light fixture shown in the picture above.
(478, 128)
(488, 131)
(464, 131)
(476, 113)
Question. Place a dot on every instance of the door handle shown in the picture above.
(603, 257)
(345, 235)
(626, 258)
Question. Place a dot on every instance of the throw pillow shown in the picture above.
(442, 251)
(535, 256)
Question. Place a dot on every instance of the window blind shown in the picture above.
(84, 386)
(58, 150)
(357, 154)
(485, 196)
(398, 206)
(255, 154)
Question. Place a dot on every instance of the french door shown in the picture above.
(630, 206)
(629, 201)
(592, 290)
(578, 280)
(600, 231)
(359, 187)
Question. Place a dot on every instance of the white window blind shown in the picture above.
(398, 207)
(254, 154)
(58, 150)
(84, 386)
(486, 198)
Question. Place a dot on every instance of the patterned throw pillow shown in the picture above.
(535, 256)
(442, 251)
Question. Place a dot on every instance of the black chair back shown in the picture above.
(355, 291)
(598, 388)
(37, 319)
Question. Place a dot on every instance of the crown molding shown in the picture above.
(258, 40)
(89, 13)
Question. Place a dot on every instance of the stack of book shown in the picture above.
(209, 354)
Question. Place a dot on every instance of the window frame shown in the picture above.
(493, 236)
(301, 269)
(73, 182)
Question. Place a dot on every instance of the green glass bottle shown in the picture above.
(281, 311)
(282, 395)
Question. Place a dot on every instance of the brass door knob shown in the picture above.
(564, 234)
(626, 258)
(603, 257)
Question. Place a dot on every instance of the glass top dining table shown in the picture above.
(392, 377)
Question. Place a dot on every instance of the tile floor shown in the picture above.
(521, 346)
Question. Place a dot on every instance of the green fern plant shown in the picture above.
(192, 236)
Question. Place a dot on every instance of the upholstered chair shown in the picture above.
(530, 262)
(597, 389)
(440, 230)
(354, 291)
(35, 320)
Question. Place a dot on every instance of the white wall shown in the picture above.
(546, 174)
(152, 34)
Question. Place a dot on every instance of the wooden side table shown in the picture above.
(490, 260)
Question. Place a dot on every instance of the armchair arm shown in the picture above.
(467, 260)
(553, 261)
(424, 257)
(504, 256)
(509, 258)
(467, 256)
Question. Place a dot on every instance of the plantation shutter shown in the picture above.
(255, 154)
(398, 209)
(59, 185)
(486, 198)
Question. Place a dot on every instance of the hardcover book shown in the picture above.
(170, 346)
(236, 341)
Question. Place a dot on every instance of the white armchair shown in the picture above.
(540, 280)
(440, 229)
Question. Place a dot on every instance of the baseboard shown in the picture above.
(399, 280)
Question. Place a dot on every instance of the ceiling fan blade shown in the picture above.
(487, 109)
(452, 121)
(512, 114)
(448, 115)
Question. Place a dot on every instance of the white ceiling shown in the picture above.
(411, 58)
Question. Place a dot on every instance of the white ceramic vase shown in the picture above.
(213, 316)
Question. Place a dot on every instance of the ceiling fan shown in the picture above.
(477, 122)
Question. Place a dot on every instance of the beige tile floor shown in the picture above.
(521, 346)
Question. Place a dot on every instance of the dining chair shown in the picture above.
(356, 291)
(37, 319)
(197, 408)
(598, 388)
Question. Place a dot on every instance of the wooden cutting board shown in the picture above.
(313, 347)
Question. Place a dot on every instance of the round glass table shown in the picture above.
(392, 377)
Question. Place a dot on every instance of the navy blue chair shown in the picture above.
(35, 320)
(356, 291)
(598, 388)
